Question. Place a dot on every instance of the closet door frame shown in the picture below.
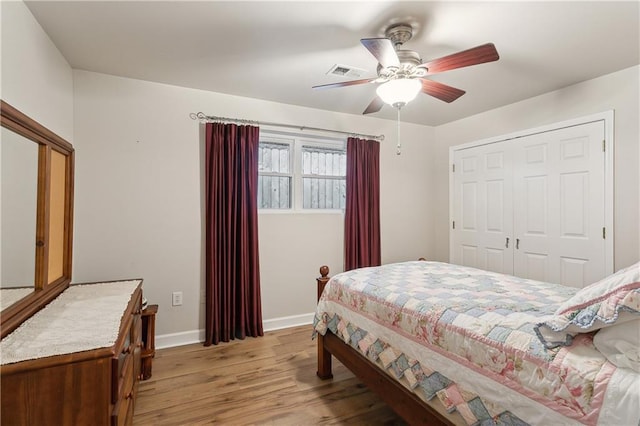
(608, 146)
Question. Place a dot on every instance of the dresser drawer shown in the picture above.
(123, 368)
(123, 382)
(123, 412)
(123, 405)
(118, 361)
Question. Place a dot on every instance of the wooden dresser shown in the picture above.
(94, 386)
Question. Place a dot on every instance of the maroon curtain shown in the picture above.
(233, 308)
(362, 211)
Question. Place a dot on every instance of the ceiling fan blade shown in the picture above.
(374, 106)
(441, 91)
(474, 56)
(382, 49)
(344, 83)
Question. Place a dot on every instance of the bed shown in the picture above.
(447, 344)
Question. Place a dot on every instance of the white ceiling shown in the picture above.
(278, 50)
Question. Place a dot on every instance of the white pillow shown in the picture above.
(612, 300)
(620, 344)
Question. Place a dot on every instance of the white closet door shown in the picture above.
(482, 207)
(559, 205)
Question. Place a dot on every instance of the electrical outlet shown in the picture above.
(176, 298)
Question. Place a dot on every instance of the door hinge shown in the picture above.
(604, 145)
(604, 233)
(454, 224)
(453, 167)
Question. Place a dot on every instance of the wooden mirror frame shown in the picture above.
(45, 288)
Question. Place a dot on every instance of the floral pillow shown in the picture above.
(614, 299)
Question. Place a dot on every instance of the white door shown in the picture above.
(482, 206)
(559, 205)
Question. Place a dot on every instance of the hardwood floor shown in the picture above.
(265, 381)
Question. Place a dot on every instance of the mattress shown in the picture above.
(466, 337)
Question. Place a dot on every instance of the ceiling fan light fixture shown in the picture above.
(400, 91)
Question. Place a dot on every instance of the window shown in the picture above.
(301, 174)
(323, 178)
(274, 175)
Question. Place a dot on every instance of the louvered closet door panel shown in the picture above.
(558, 205)
(482, 206)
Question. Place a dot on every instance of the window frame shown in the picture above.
(297, 142)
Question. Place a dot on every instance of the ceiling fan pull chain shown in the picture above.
(398, 146)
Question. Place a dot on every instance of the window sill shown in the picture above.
(295, 211)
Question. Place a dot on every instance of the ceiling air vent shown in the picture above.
(346, 71)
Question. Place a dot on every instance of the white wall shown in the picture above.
(617, 91)
(35, 78)
(139, 196)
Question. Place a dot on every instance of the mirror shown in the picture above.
(36, 216)
(18, 198)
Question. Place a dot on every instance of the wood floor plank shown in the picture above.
(257, 381)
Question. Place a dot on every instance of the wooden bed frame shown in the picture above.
(404, 402)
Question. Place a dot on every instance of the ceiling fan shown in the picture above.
(402, 72)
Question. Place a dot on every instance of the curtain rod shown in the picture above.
(209, 118)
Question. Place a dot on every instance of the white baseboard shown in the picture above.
(179, 339)
(197, 336)
(286, 322)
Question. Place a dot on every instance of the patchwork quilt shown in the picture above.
(466, 336)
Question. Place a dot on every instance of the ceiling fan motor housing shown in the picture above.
(409, 59)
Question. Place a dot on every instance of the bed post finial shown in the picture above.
(323, 279)
(324, 271)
